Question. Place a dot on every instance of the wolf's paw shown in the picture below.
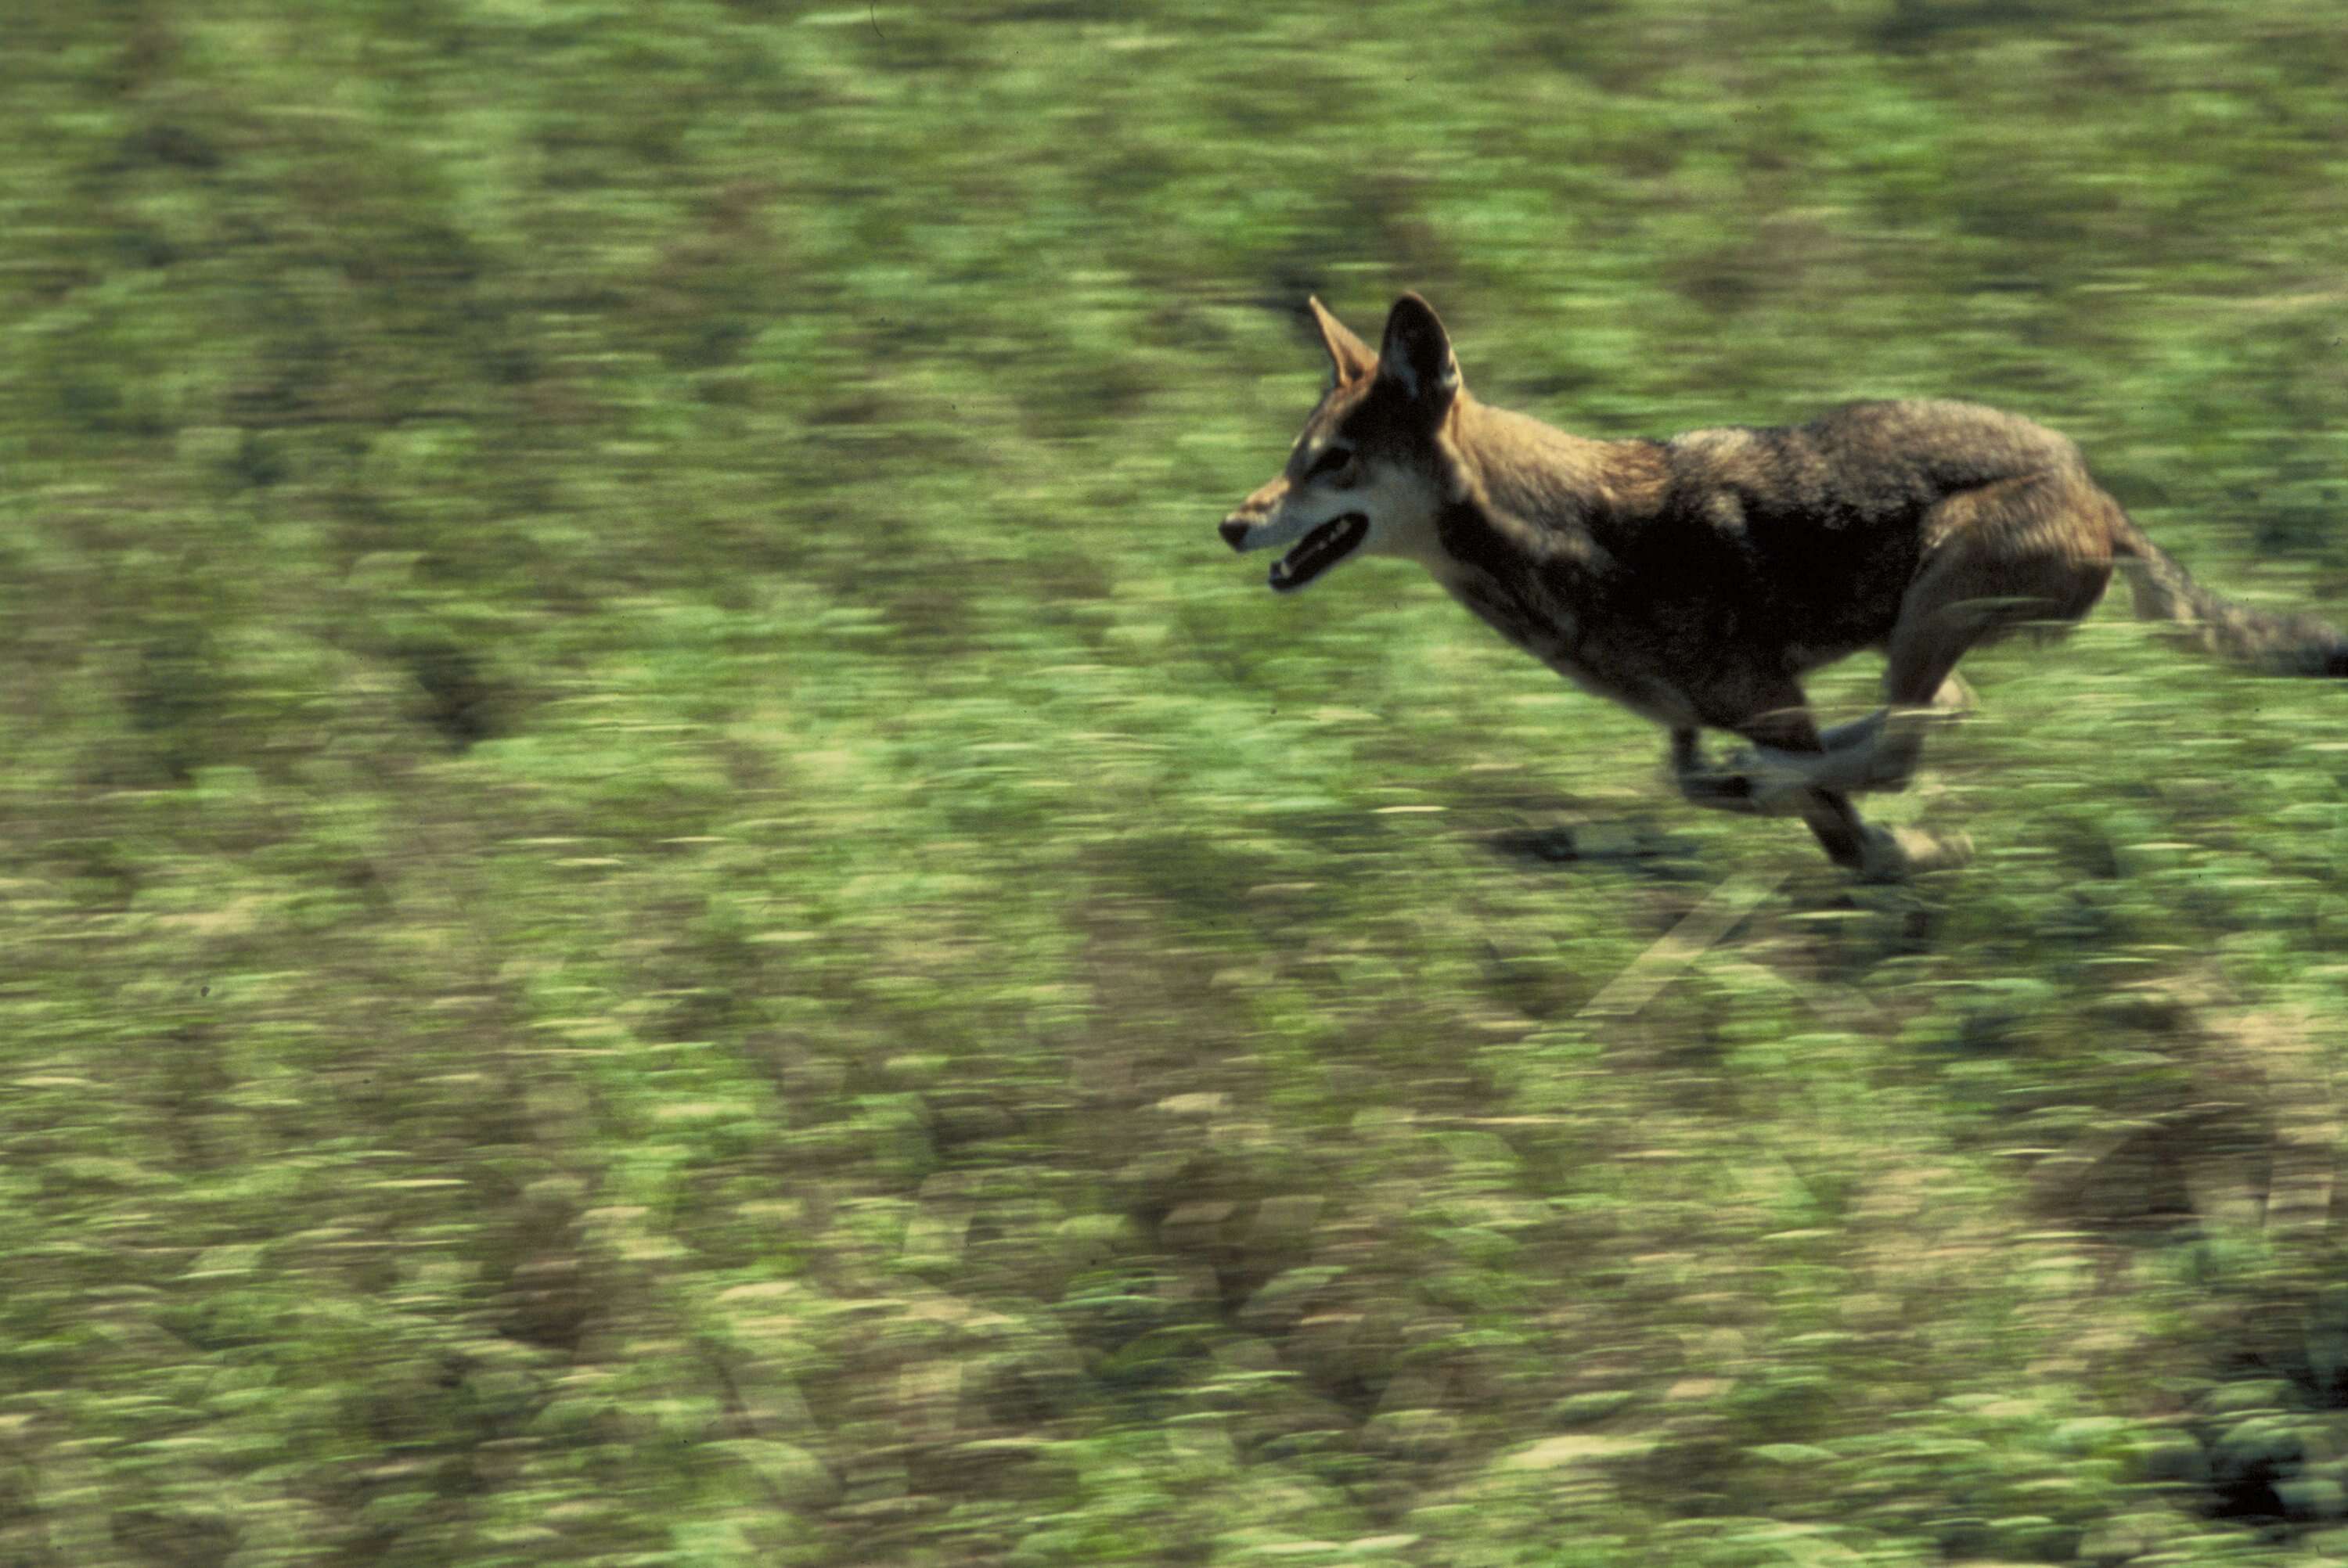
(1774, 783)
(1723, 789)
(1896, 854)
(1748, 782)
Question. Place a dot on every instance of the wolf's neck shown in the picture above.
(1548, 478)
(1529, 494)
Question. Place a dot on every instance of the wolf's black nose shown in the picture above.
(1234, 532)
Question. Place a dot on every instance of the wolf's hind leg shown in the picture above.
(1721, 788)
(1870, 854)
(2035, 550)
(1896, 854)
(1881, 751)
(1954, 700)
(1790, 739)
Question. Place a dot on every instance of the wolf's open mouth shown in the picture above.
(1319, 550)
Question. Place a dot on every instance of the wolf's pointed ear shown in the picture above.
(1350, 358)
(1416, 354)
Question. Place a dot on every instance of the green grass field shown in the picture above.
(666, 904)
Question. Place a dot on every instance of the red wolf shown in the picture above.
(1696, 580)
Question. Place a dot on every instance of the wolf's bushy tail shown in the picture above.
(2286, 644)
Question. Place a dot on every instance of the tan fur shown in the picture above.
(1696, 580)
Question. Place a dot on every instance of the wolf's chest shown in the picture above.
(1552, 633)
(1546, 631)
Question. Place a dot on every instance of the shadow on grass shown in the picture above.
(1638, 846)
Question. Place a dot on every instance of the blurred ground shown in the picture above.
(665, 903)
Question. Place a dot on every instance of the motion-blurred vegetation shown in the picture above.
(665, 903)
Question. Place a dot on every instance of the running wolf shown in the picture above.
(1696, 580)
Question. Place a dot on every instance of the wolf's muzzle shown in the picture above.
(1234, 531)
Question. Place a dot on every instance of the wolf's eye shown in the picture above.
(1329, 462)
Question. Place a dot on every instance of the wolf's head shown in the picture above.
(1369, 475)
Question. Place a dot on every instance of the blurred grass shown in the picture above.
(667, 903)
